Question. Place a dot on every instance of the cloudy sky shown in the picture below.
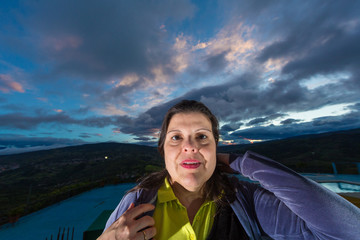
(74, 72)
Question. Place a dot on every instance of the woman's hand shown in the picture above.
(223, 158)
(223, 162)
(128, 226)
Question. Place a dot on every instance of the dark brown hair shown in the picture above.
(218, 187)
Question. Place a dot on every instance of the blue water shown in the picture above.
(341, 187)
(79, 212)
(320, 177)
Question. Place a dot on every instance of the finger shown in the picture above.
(143, 223)
(222, 158)
(139, 210)
(132, 205)
(146, 234)
(132, 213)
(150, 232)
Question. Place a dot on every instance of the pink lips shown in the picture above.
(190, 163)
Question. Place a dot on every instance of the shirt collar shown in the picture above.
(165, 192)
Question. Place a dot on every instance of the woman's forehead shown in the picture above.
(192, 119)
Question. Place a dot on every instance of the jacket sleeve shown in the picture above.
(121, 208)
(290, 206)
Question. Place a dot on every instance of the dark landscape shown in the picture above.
(34, 180)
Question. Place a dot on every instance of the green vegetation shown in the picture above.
(43, 178)
(31, 181)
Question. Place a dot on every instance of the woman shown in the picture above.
(194, 199)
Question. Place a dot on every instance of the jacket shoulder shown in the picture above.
(137, 197)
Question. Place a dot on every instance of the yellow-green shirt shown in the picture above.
(171, 219)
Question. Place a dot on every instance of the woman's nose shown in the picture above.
(190, 147)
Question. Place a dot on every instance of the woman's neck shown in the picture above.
(191, 200)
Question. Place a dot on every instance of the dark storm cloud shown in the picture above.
(18, 140)
(142, 126)
(82, 110)
(319, 125)
(314, 37)
(350, 120)
(239, 100)
(98, 40)
(338, 54)
(15, 143)
(257, 121)
(21, 121)
(230, 127)
(216, 62)
(355, 107)
(212, 63)
(145, 139)
(322, 41)
(233, 102)
(118, 94)
(262, 120)
(289, 121)
(11, 107)
(89, 135)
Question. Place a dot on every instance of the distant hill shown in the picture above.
(310, 153)
(33, 180)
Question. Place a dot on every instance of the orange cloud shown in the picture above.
(116, 130)
(8, 84)
(110, 110)
(251, 140)
(228, 142)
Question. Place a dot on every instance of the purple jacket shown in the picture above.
(285, 206)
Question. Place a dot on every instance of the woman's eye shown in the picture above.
(202, 137)
(175, 138)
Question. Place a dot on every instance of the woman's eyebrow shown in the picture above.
(173, 130)
(203, 129)
(197, 130)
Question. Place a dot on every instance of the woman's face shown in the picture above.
(190, 150)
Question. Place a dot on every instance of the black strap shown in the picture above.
(227, 226)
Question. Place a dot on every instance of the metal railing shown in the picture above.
(65, 235)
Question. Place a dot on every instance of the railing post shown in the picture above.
(334, 168)
(65, 235)
(62, 236)
(58, 237)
